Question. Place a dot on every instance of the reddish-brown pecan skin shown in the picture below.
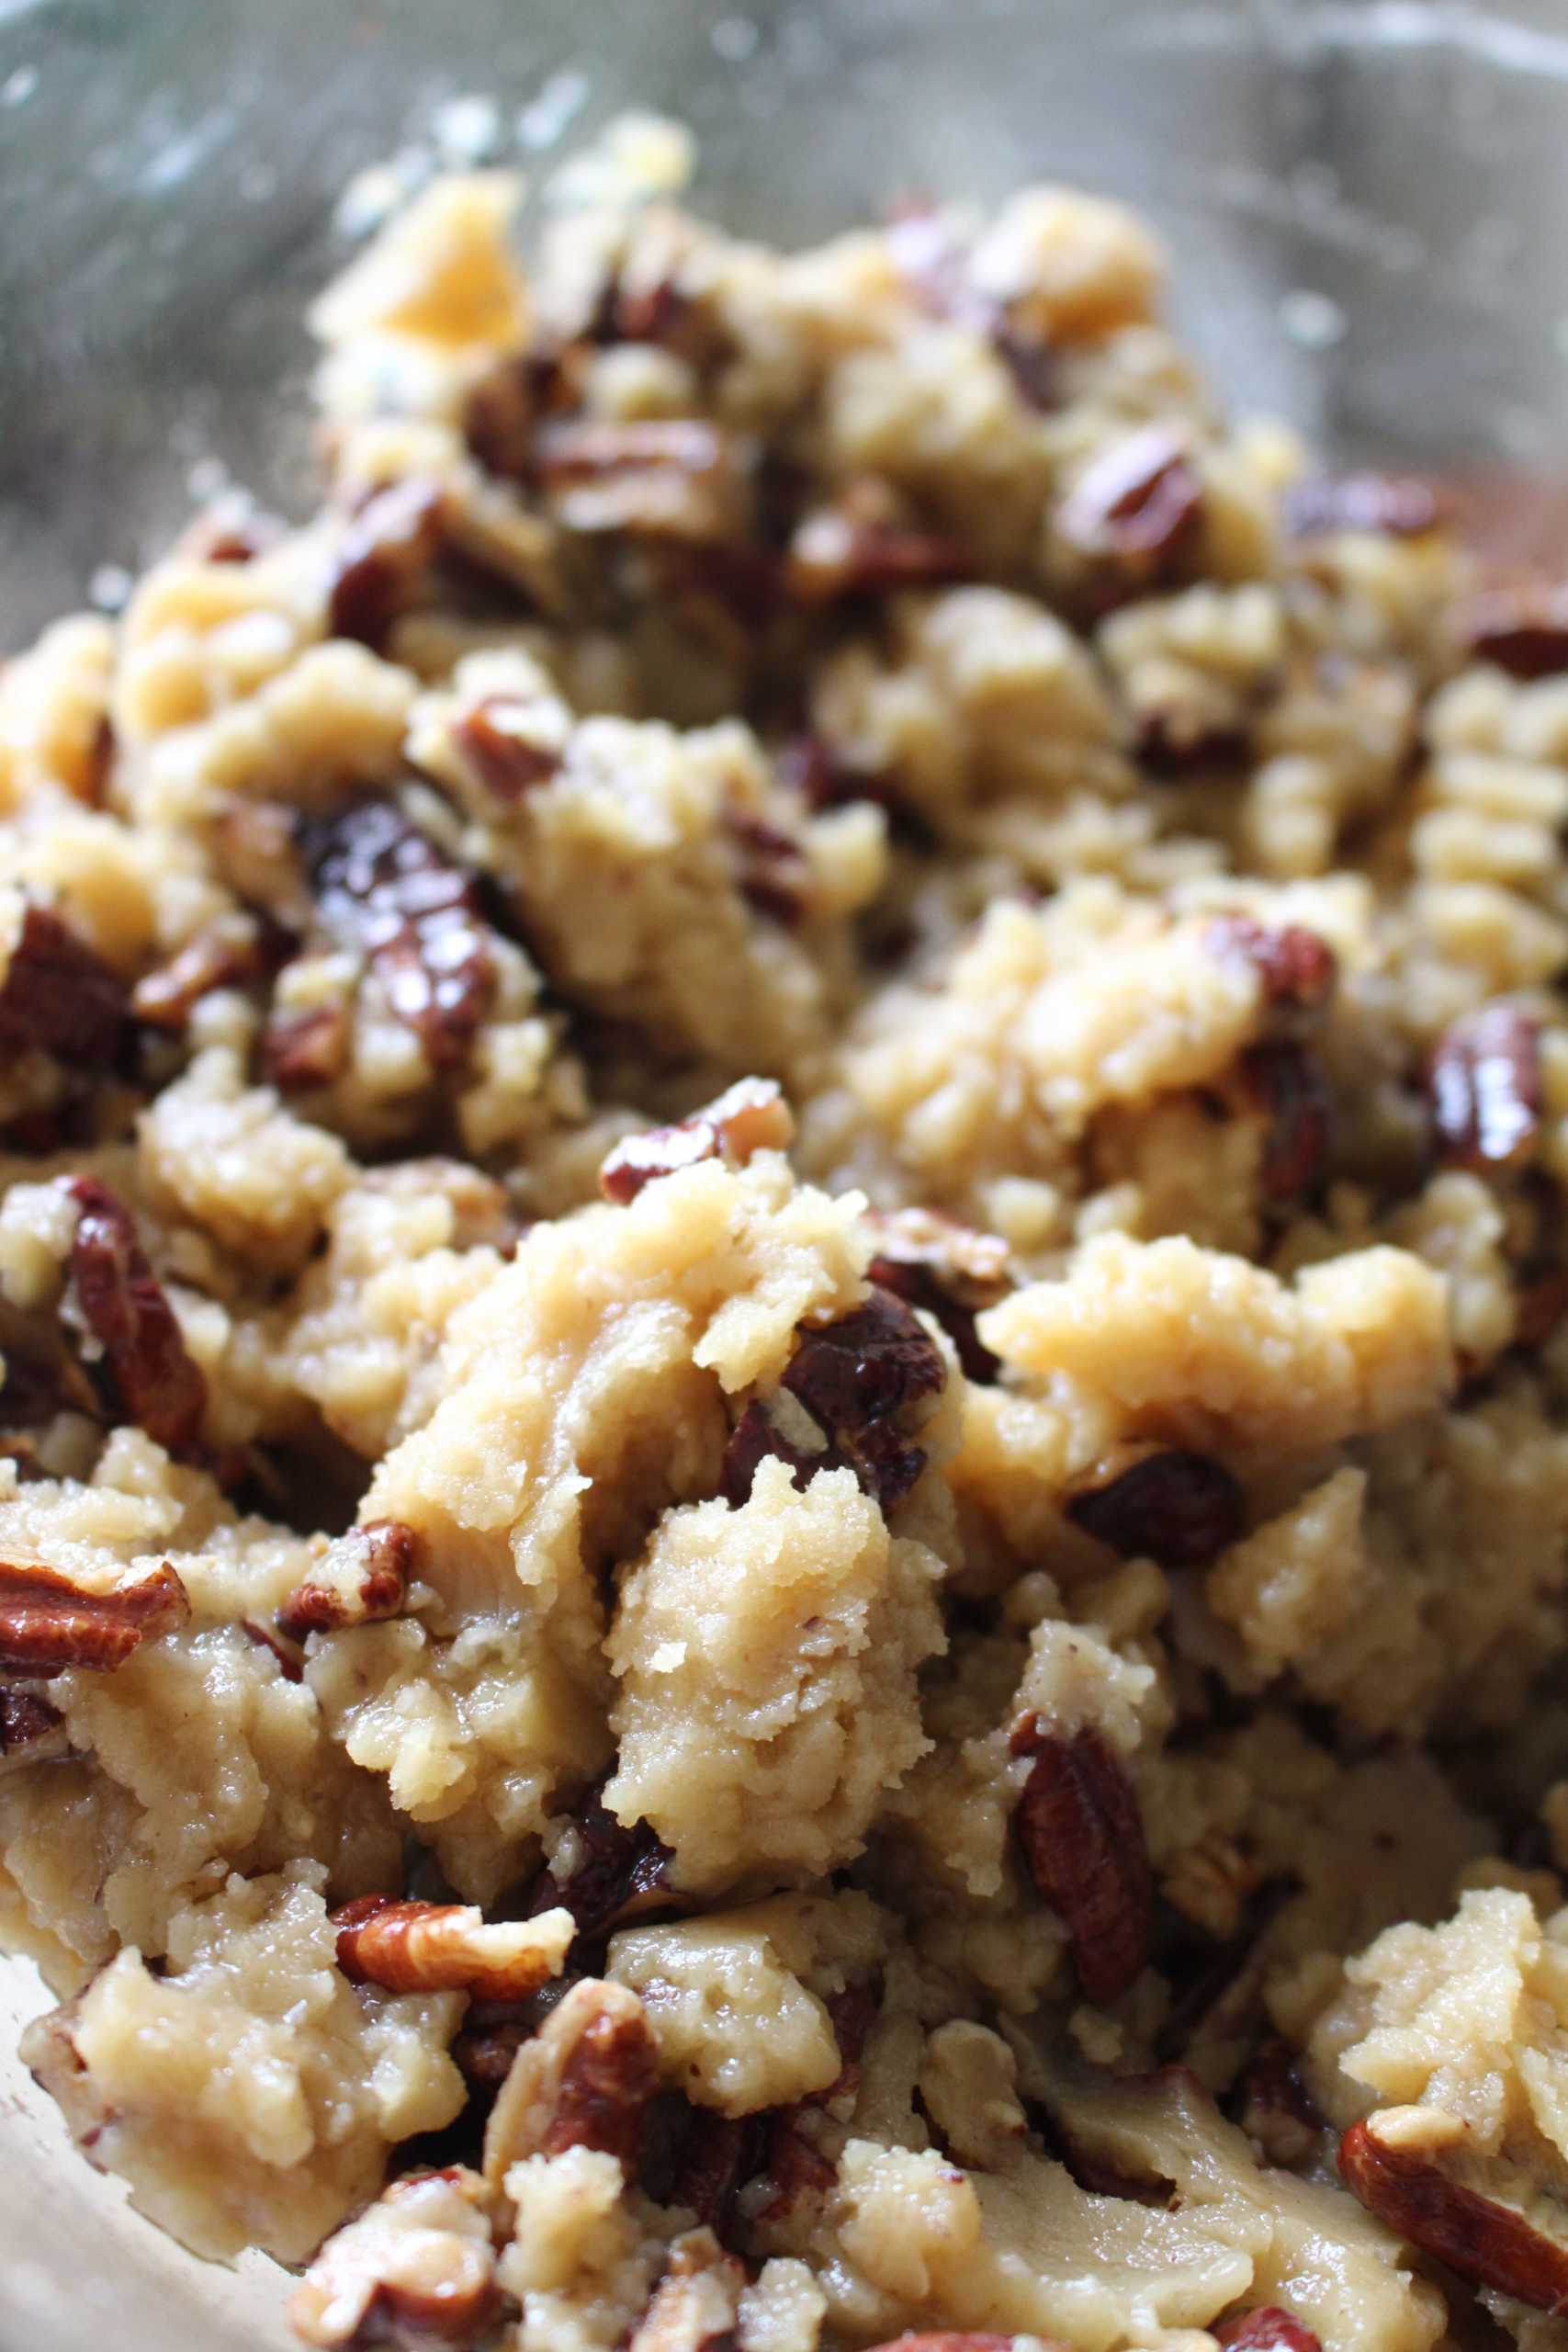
(155, 1378)
(1083, 1839)
(1487, 2243)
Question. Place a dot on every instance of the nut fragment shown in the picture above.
(666, 477)
(1083, 1839)
(1523, 628)
(857, 548)
(751, 1116)
(1397, 506)
(25, 1718)
(773, 869)
(755, 1439)
(584, 2081)
(155, 1379)
(1286, 1081)
(1268, 2330)
(1296, 970)
(214, 958)
(1159, 1502)
(613, 1873)
(49, 1622)
(418, 2266)
(948, 1270)
(408, 1947)
(59, 996)
(1137, 503)
(383, 888)
(1488, 1095)
(854, 1375)
(694, 2307)
(493, 735)
(382, 558)
(721, 2155)
(299, 1050)
(1491, 2244)
(364, 1576)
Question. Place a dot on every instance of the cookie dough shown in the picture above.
(784, 1507)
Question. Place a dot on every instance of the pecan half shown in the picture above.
(1159, 1502)
(409, 1947)
(49, 1622)
(1395, 506)
(665, 477)
(857, 548)
(1491, 2244)
(751, 1116)
(854, 1375)
(1523, 628)
(59, 996)
(1138, 502)
(364, 1575)
(304, 1049)
(608, 1874)
(950, 1271)
(1268, 2330)
(1296, 970)
(383, 888)
(382, 558)
(584, 2081)
(1083, 1840)
(25, 1718)
(1486, 1091)
(418, 2267)
(214, 958)
(1286, 1081)
(156, 1381)
(493, 737)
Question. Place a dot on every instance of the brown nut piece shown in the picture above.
(1266, 2330)
(1491, 2244)
(615, 1873)
(1138, 503)
(300, 1051)
(854, 1375)
(216, 958)
(493, 737)
(1486, 1089)
(383, 556)
(1522, 627)
(59, 994)
(1159, 1502)
(1083, 1839)
(854, 549)
(49, 1624)
(419, 2265)
(26, 1720)
(584, 2081)
(157, 1382)
(749, 1117)
(662, 477)
(1296, 970)
(363, 1576)
(694, 2307)
(408, 1947)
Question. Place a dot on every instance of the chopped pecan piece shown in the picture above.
(1274, 2106)
(1395, 506)
(156, 1380)
(751, 1116)
(693, 2306)
(418, 2267)
(49, 1622)
(584, 2081)
(675, 477)
(382, 558)
(384, 887)
(754, 1439)
(1139, 502)
(854, 1375)
(1159, 1502)
(775, 873)
(215, 958)
(290, 1664)
(364, 1575)
(25, 1718)
(59, 996)
(1286, 1081)
(949, 1270)
(1268, 2330)
(1491, 2244)
(1522, 628)
(1083, 1839)
(609, 1873)
(721, 2155)
(1488, 1095)
(493, 737)
(301, 1051)
(1296, 970)
(410, 1947)
(857, 548)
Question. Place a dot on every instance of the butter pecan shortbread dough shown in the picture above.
(784, 1498)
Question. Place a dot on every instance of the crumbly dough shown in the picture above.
(781, 1161)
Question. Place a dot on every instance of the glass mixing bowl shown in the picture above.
(1364, 200)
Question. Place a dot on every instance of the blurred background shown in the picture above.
(1365, 200)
